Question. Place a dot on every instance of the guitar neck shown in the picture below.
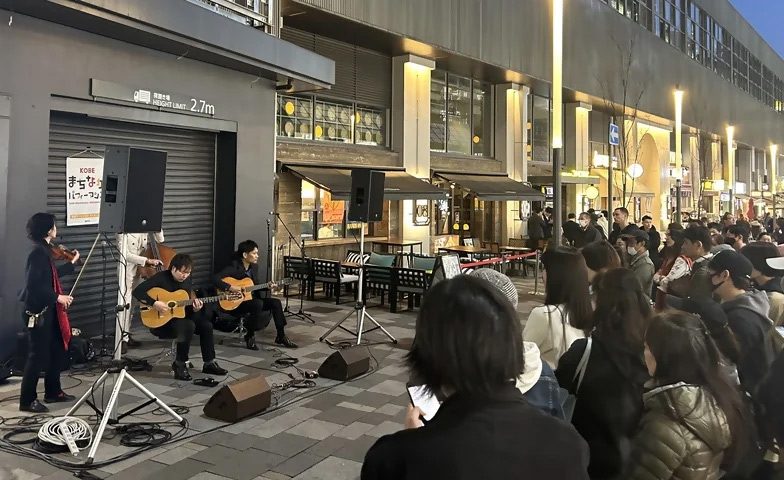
(213, 299)
(257, 287)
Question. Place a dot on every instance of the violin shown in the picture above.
(60, 252)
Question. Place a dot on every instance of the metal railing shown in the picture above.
(260, 14)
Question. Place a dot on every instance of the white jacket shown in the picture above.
(552, 333)
(532, 368)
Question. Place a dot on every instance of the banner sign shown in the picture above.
(333, 211)
(83, 178)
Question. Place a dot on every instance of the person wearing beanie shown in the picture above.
(537, 383)
(747, 314)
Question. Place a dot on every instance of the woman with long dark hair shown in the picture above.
(675, 269)
(599, 256)
(566, 313)
(694, 416)
(44, 315)
(609, 386)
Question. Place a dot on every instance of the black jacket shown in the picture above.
(747, 316)
(237, 271)
(589, 235)
(164, 280)
(38, 291)
(571, 230)
(536, 227)
(617, 232)
(499, 437)
(654, 243)
(609, 404)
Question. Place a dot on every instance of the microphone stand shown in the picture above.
(301, 314)
(269, 252)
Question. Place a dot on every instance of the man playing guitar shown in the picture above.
(245, 265)
(195, 321)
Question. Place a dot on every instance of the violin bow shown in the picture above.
(84, 264)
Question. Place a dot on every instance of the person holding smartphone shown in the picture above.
(468, 349)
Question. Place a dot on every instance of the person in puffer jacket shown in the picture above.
(693, 413)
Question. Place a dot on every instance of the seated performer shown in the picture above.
(245, 265)
(177, 278)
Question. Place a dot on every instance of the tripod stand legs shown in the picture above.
(361, 313)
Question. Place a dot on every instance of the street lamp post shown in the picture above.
(557, 116)
(773, 176)
(678, 151)
(731, 163)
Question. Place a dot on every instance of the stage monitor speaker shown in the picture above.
(132, 196)
(240, 399)
(367, 195)
(345, 364)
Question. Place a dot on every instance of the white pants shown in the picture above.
(124, 297)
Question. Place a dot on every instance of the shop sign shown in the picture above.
(421, 213)
(154, 97)
(724, 197)
(83, 179)
(333, 211)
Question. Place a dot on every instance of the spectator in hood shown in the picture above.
(767, 278)
(537, 383)
(586, 233)
(621, 225)
(747, 314)
(654, 243)
(737, 237)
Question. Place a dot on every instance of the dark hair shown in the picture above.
(182, 262)
(739, 231)
(717, 239)
(571, 215)
(246, 246)
(758, 253)
(591, 210)
(622, 310)
(704, 220)
(537, 209)
(674, 226)
(605, 213)
(567, 285)
(38, 226)
(600, 256)
(623, 210)
(685, 352)
(548, 209)
(676, 249)
(647, 217)
(468, 338)
(695, 221)
(763, 233)
(695, 233)
(622, 256)
(715, 225)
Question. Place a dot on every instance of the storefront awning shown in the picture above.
(633, 186)
(492, 187)
(398, 185)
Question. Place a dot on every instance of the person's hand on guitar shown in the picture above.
(197, 304)
(160, 306)
(236, 289)
(153, 262)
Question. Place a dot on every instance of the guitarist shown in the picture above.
(135, 244)
(195, 321)
(245, 265)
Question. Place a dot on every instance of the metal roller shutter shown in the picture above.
(188, 211)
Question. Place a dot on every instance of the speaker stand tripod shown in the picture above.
(359, 307)
(122, 375)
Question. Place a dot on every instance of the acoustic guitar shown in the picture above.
(176, 301)
(247, 286)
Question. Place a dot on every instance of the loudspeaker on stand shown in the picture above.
(367, 195)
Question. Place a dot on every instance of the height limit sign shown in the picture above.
(615, 137)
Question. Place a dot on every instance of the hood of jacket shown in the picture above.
(755, 301)
(533, 367)
(695, 408)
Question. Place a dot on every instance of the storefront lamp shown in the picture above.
(635, 170)
(592, 193)
(465, 227)
(456, 226)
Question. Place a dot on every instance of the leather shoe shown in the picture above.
(214, 369)
(61, 398)
(250, 342)
(181, 372)
(34, 407)
(284, 340)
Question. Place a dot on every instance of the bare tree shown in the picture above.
(622, 93)
(707, 164)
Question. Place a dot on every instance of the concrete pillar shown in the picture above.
(743, 158)
(577, 150)
(411, 135)
(511, 115)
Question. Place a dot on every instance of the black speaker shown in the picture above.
(367, 195)
(345, 364)
(240, 399)
(132, 197)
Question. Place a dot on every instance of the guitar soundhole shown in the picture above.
(171, 305)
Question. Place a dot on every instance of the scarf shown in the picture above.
(62, 317)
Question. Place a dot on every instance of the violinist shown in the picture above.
(45, 317)
(136, 245)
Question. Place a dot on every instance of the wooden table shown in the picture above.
(401, 246)
(464, 249)
(516, 249)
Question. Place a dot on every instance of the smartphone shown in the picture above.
(424, 400)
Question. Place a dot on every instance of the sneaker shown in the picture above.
(180, 372)
(284, 341)
(213, 368)
(34, 407)
(61, 398)
(250, 342)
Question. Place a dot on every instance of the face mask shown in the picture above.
(730, 241)
(715, 286)
(632, 251)
(583, 223)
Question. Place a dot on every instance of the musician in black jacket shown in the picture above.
(245, 265)
(177, 277)
(44, 317)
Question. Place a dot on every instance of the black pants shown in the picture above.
(183, 329)
(257, 321)
(47, 354)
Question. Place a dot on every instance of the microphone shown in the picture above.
(274, 213)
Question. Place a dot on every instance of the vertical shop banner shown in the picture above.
(334, 211)
(83, 178)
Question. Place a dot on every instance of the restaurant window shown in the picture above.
(539, 134)
(460, 115)
(314, 118)
(323, 218)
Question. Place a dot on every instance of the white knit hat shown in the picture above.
(500, 281)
